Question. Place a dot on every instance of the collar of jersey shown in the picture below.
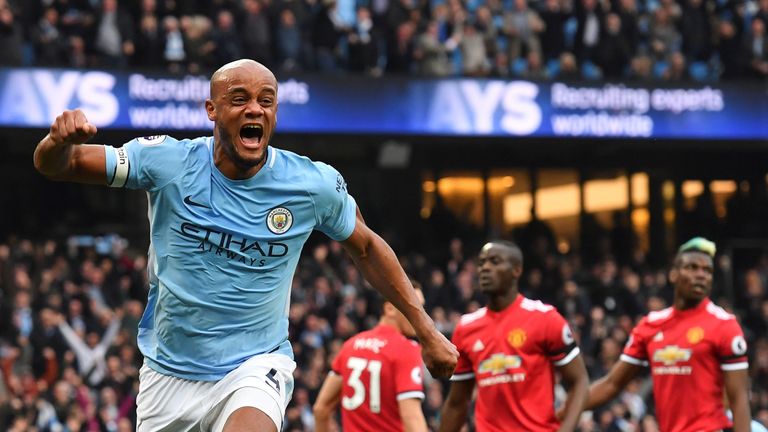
(701, 306)
(386, 328)
(514, 305)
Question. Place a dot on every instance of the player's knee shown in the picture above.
(249, 419)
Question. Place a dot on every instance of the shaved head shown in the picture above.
(243, 66)
(243, 107)
(512, 250)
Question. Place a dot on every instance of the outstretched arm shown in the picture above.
(607, 387)
(736, 383)
(326, 402)
(453, 416)
(61, 155)
(378, 263)
(574, 374)
(85, 356)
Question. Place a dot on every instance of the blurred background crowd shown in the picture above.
(671, 40)
(69, 311)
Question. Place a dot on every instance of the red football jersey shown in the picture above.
(379, 367)
(510, 354)
(687, 352)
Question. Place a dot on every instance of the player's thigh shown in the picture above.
(264, 382)
(250, 410)
(167, 403)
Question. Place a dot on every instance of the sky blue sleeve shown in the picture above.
(335, 208)
(152, 162)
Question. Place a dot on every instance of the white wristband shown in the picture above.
(121, 168)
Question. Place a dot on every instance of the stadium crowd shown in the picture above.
(69, 312)
(663, 40)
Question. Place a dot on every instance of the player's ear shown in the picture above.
(389, 309)
(517, 270)
(210, 109)
(673, 275)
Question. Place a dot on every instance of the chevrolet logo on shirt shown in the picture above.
(499, 363)
(669, 355)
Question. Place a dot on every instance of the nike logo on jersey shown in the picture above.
(188, 201)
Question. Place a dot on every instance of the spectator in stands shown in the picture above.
(757, 49)
(10, 36)
(501, 67)
(589, 18)
(149, 43)
(615, 50)
(199, 47)
(226, 39)
(554, 16)
(522, 26)
(432, 55)
(640, 68)
(664, 37)
(364, 41)
(534, 67)
(257, 41)
(114, 38)
(174, 52)
(568, 69)
(729, 48)
(696, 31)
(486, 27)
(677, 69)
(326, 34)
(77, 18)
(91, 351)
(473, 52)
(288, 41)
(50, 47)
(630, 23)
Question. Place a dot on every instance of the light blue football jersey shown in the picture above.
(223, 252)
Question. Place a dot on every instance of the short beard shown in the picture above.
(225, 139)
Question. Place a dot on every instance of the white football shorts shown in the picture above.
(167, 403)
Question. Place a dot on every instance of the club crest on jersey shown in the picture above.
(671, 354)
(695, 335)
(499, 363)
(516, 338)
(279, 220)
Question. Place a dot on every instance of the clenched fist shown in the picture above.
(440, 355)
(71, 127)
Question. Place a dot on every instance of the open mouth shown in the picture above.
(251, 135)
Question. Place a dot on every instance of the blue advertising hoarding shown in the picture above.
(399, 106)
